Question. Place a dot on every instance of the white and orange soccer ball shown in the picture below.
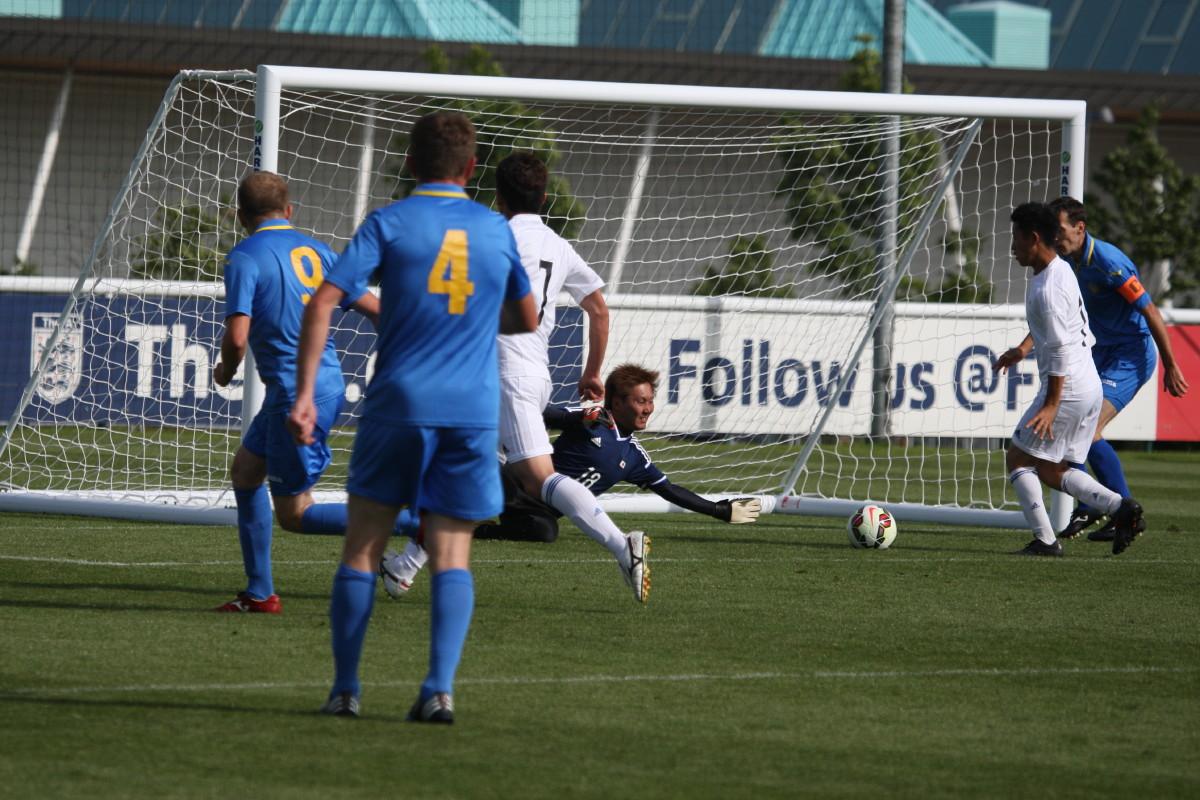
(871, 527)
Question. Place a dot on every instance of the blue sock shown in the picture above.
(326, 518)
(349, 611)
(1103, 460)
(453, 601)
(254, 533)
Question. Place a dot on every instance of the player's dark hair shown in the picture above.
(1074, 209)
(521, 182)
(440, 145)
(1030, 218)
(620, 381)
(261, 194)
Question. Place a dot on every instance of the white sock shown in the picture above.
(574, 500)
(1029, 494)
(413, 557)
(1088, 490)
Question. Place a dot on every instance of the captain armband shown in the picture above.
(1131, 289)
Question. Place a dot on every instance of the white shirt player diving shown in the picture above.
(553, 266)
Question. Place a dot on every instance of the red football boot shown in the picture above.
(245, 604)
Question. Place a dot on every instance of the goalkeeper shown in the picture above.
(602, 453)
(599, 450)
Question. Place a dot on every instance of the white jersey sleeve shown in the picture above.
(580, 280)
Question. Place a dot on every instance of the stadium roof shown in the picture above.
(1155, 37)
(1158, 37)
(785, 28)
(438, 20)
(699, 26)
(188, 13)
(807, 29)
(452, 21)
(115, 48)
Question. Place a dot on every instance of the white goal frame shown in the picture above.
(272, 81)
(1072, 113)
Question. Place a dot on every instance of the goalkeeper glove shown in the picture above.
(742, 510)
(594, 413)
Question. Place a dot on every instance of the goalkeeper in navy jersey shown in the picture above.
(599, 450)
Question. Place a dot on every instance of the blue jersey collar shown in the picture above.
(439, 190)
(274, 225)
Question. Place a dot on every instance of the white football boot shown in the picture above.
(637, 574)
(399, 570)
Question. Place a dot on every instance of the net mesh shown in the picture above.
(741, 251)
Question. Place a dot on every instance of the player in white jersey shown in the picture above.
(1057, 427)
(553, 266)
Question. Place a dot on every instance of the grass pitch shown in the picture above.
(772, 661)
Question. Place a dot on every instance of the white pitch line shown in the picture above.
(863, 558)
(603, 679)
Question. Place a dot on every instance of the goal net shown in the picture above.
(756, 255)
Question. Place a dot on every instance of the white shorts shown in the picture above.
(522, 430)
(1072, 431)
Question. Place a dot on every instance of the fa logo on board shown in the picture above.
(64, 368)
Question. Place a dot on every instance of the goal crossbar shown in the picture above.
(272, 78)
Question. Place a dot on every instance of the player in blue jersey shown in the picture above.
(1127, 326)
(553, 268)
(450, 280)
(269, 277)
(599, 453)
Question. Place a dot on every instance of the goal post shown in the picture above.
(738, 224)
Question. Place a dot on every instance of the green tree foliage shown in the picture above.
(747, 271)
(832, 184)
(964, 285)
(1152, 209)
(189, 243)
(502, 127)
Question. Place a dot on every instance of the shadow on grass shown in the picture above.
(204, 608)
(144, 587)
(61, 606)
(744, 541)
(839, 545)
(76, 703)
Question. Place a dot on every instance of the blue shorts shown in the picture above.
(292, 468)
(449, 471)
(1124, 368)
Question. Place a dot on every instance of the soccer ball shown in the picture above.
(871, 527)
